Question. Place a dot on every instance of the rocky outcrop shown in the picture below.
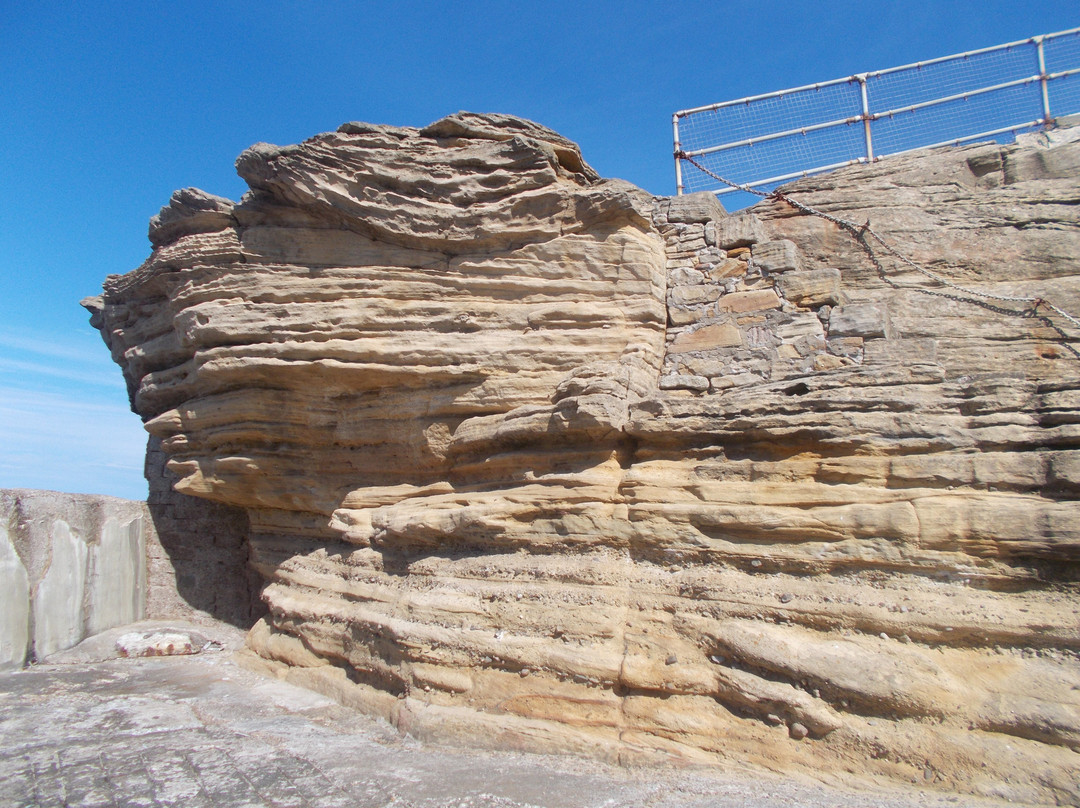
(532, 458)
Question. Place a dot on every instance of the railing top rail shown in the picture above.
(873, 74)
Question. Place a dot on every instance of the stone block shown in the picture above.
(678, 315)
(801, 324)
(739, 231)
(709, 337)
(851, 347)
(859, 320)
(687, 244)
(1025, 470)
(815, 287)
(809, 344)
(829, 362)
(675, 263)
(728, 268)
(161, 642)
(777, 256)
(673, 252)
(700, 366)
(678, 381)
(685, 276)
(695, 208)
(754, 300)
(711, 255)
(689, 232)
(694, 295)
(760, 336)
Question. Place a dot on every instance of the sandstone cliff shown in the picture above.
(533, 458)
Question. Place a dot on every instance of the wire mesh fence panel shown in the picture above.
(1062, 50)
(1063, 55)
(751, 119)
(763, 159)
(957, 120)
(766, 140)
(1065, 93)
(889, 89)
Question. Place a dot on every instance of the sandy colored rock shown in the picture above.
(816, 287)
(753, 300)
(434, 367)
(695, 208)
(777, 256)
(719, 335)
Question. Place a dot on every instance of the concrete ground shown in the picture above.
(192, 731)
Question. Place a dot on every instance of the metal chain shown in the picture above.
(859, 233)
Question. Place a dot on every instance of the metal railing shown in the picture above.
(765, 140)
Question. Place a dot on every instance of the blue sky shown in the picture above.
(106, 108)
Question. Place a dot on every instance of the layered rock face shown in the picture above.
(532, 458)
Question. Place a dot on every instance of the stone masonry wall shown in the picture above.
(742, 309)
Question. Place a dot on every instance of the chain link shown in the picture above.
(860, 232)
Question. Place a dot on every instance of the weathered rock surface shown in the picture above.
(533, 459)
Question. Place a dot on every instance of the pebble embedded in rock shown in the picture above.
(786, 598)
(798, 731)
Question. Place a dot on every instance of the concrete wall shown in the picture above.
(71, 565)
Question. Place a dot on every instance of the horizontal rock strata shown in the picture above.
(531, 458)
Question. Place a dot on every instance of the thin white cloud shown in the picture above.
(103, 376)
(81, 350)
(70, 442)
